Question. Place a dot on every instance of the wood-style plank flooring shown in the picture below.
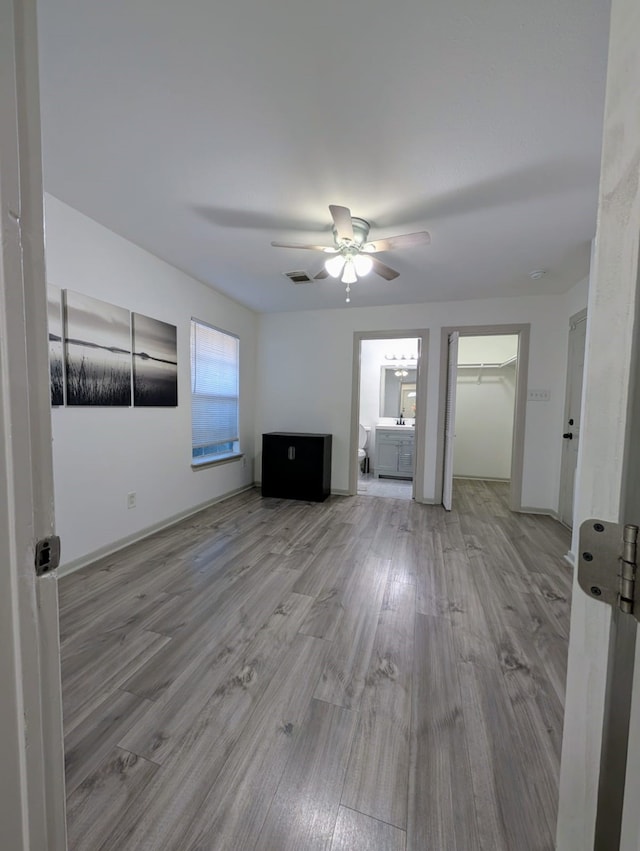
(364, 673)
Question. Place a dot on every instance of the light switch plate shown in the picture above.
(538, 395)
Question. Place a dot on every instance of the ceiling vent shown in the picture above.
(298, 277)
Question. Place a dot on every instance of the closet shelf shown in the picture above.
(496, 365)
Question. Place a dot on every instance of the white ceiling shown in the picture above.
(203, 130)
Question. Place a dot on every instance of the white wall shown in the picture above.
(576, 299)
(372, 357)
(485, 403)
(318, 348)
(101, 454)
(494, 348)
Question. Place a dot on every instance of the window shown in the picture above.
(214, 393)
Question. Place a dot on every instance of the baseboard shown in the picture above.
(549, 512)
(121, 543)
(482, 478)
(571, 558)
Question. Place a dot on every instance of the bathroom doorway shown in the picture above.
(388, 414)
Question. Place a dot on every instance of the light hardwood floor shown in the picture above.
(364, 673)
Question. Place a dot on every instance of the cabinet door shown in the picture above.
(307, 467)
(276, 467)
(405, 457)
(387, 455)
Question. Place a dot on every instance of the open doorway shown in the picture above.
(388, 414)
(573, 401)
(485, 405)
(483, 397)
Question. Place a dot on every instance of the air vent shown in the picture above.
(298, 277)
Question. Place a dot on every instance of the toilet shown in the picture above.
(363, 440)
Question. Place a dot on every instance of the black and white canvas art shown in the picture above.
(155, 362)
(97, 352)
(56, 357)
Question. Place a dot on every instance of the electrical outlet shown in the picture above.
(538, 395)
(131, 499)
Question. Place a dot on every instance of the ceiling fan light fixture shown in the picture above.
(349, 275)
(334, 265)
(349, 257)
(363, 264)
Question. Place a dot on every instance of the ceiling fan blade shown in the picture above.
(383, 270)
(322, 274)
(328, 249)
(342, 220)
(403, 240)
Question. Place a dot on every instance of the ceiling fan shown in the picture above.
(351, 253)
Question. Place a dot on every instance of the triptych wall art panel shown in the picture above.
(56, 355)
(111, 356)
(97, 352)
(155, 362)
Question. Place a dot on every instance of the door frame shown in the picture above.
(574, 321)
(453, 345)
(32, 800)
(523, 331)
(422, 335)
(608, 481)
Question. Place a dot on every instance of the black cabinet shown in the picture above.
(296, 465)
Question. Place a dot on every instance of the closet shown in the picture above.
(484, 409)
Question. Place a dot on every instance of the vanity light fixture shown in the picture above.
(401, 358)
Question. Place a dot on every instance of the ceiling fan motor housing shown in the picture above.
(360, 232)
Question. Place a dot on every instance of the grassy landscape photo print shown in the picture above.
(98, 352)
(56, 355)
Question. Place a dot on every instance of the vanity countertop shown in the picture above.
(395, 427)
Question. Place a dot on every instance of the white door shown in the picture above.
(600, 773)
(571, 426)
(450, 420)
(31, 752)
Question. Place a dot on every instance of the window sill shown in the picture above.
(215, 461)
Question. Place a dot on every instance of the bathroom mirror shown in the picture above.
(397, 392)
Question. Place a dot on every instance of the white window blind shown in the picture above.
(214, 391)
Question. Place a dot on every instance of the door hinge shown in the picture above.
(607, 564)
(47, 555)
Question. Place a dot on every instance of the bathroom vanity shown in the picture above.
(394, 451)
